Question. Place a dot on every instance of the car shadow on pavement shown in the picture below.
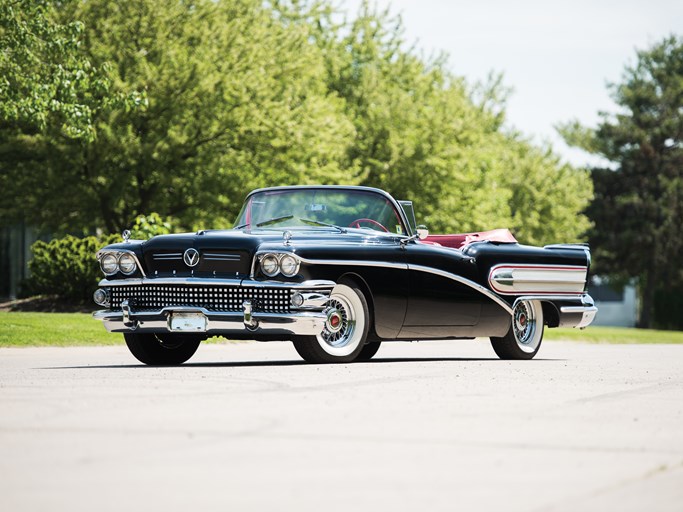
(250, 364)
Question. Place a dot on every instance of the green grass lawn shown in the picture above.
(18, 329)
(614, 335)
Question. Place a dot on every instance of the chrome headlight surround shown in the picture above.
(127, 263)
(274, 263)
(111, 262)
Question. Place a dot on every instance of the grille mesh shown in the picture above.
(213, 298)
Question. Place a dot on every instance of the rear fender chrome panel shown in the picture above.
(522, 279)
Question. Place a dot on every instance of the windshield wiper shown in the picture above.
(318, 223)
(274, 220)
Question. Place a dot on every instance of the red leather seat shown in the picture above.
(458, 241)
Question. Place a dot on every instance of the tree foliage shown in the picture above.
(243, 94)
(638, 205)
(44, 77)
(422, 133)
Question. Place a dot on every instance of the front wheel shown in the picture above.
(345, 332)
(524, 338)
(369, 350)
(162, 349)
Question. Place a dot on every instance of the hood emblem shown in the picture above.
(191, 257)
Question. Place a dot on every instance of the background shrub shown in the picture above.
(66, 267)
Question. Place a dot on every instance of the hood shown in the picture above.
(229, 253)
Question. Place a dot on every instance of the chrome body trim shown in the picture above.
(305, 323)
(537, 279)
(313, 300)
(577, 247)
(357, 263)
(476, 286)
(586, 299)
(198, 281)
(169, 256)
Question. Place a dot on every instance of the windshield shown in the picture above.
(320, 207)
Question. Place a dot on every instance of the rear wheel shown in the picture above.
(346, 329)
(162, 349)
(524, 338)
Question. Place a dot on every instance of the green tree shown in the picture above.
(422, 133)
(236, 100)
(44, 77)
(638, 205)
(243, 94)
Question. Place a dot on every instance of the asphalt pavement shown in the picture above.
(426, 426)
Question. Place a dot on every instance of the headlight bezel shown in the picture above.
(110, 262)
(270, 264)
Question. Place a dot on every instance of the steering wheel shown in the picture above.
(356, 224)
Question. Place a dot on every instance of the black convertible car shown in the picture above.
(337, 270)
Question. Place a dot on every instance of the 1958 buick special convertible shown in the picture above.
(337, 270)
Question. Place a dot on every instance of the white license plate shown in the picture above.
(192, 322)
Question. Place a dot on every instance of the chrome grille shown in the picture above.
(213, 298)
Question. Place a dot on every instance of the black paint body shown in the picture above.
(410, 287)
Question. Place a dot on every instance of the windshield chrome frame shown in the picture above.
(408, 231)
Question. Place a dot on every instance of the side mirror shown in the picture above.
(422, 232)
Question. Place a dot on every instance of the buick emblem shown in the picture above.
(191, 257)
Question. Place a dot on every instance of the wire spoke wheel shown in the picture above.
(524, 326)
(345, 332)
(343, 335)
(524, 338)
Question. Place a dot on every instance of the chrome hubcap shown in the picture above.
(524, 323)
(341, 323)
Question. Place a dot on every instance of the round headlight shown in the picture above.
(108, 263)
(289, 265)
(101, 297)
(127, 263)
(269, 265)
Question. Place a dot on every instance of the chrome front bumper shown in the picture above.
(307, 317)
(300, 323)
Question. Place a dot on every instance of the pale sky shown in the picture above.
(557, 55)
